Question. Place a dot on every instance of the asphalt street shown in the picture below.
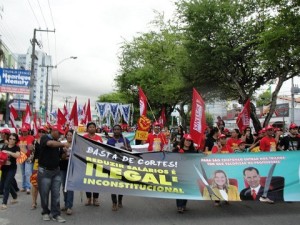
(149, 211)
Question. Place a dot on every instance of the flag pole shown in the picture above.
(151, 109)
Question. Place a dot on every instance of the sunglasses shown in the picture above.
(41, 131)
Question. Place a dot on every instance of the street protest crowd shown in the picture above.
(44, 159)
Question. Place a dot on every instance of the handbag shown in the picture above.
(22, 158)
(3, 158)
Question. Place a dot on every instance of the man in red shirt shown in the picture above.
(221, 146)
(268, 143)
(26, 146)
(156, 139)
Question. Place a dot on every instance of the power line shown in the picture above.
(51, 14)
(34, 14)
(42, 14)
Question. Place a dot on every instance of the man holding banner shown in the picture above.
(49, 179)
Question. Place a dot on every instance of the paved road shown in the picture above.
(147, 211)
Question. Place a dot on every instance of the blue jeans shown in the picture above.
(7, 178)
(68, 195)
(26, 169)
(49, 180)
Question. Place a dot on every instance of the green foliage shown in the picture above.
(209, 119)
(225, 49)
(155, 61)
(264, 99)
(114, 97)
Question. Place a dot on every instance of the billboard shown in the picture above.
(14, 81)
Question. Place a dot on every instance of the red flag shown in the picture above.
(26, 118)
(35, 127)
(65, 110)
(74, 114)
(88, 114)
(162, 119)
(243, 119)
(61, 119)
(198, 121)
(13, 116)
(143, 102)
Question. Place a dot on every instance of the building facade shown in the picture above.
(42, 70)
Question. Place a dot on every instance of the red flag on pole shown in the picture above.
(198, 121)
(13, 116)
(162, 119)
(61, 119)
(74, 114)
(88, 114)
(143, 102)
(243, 119)
(65, 111)
(26, 118)
(35, 127)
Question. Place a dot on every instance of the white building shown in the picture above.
(42, 60)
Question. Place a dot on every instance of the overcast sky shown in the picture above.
(92, 30)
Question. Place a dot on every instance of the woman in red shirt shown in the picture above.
(91, 134)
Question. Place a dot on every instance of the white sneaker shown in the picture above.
(46, 217)
(266, 199)
(59, 219)
(69, 212)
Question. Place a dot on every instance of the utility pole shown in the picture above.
(67, 99)
(33, 57)
(53, 86)
(47, 88)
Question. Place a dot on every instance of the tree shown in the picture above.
(230, 44)
(115, 97)
(155, 61)
(264, 98)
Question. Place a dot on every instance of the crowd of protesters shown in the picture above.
(45, 158)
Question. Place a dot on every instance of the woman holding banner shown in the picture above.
(119, 141)
(186, 146)
(63, 164)
(91, 134)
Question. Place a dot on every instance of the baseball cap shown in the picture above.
(5, 131)
(240, 142)
(58, 128)
(293, 126)
(226, 130)
(43, 128)
(187, 137)
(24, 129)
(222, 136)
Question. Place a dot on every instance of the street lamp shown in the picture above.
(47, 82)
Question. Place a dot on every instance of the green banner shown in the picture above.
(97, 167)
